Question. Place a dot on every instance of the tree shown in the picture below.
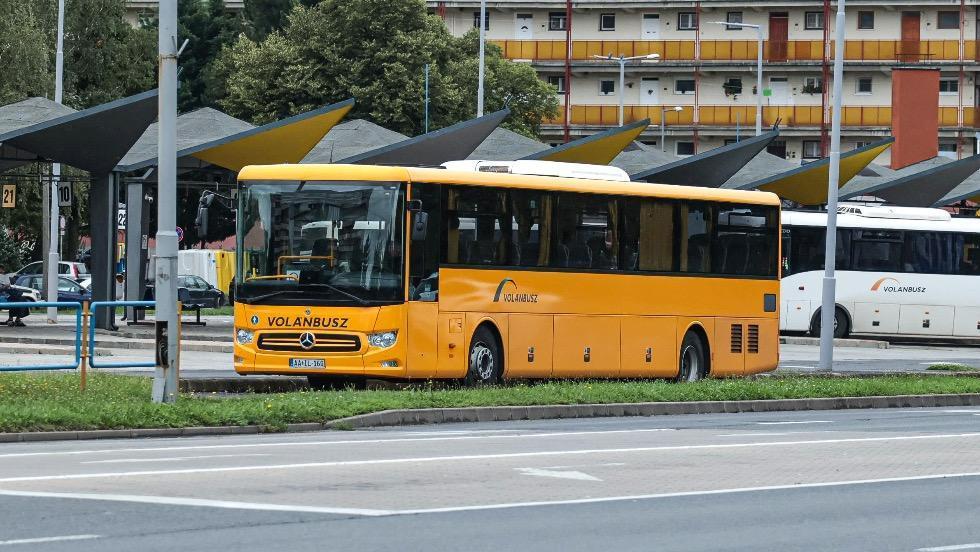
(26, 69)
(209, 27)
(265, 16)
(374, 51)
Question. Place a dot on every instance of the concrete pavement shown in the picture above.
(868, 480)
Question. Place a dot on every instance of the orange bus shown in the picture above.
(348, 272)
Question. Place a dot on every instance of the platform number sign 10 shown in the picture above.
(64, 194)
(9, 194)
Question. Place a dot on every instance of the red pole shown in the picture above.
(824, 137)
(568, 68)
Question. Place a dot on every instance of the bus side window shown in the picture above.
(657, 231)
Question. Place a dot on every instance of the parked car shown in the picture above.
(75, 271)
(193, 291)
(68, 289)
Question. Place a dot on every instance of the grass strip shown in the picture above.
(53, 402)
(951, 367)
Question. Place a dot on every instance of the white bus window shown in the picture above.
(877, 250)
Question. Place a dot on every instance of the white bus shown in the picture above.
(900, 271)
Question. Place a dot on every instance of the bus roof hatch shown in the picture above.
(542, 168)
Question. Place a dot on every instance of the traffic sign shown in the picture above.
(9, 196)
(180, 234)
(64, 194)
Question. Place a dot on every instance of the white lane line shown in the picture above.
(796, 422)
(768, 433)
(558, 474)
(43, 540)
(797, 366)
(345, 442)
(971, 546)
(225, 504)
(177, 501)
(683, 494)
(960, 411)
(167, 459)
(413, 460)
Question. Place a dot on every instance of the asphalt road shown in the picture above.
(904, 479)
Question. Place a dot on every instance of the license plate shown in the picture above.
(307, 363)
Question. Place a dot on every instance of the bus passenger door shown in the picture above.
(530, 346)
(649, 347)
(421, 339)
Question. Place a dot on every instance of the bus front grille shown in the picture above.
(322, 343)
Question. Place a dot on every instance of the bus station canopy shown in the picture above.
(598, 149)
(351, 138)
(506, 145)
(923, 184)
(807, 184)
(22, 114)
(210, 137)
(710, 168)
(967, 191)
(434, 148)
(93, 139)
(638, 157)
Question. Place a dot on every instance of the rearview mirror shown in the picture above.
(420, 225)
(203, 209)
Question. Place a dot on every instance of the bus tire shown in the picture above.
(693, 359)
(842, 324)
(336, 383)
(485, 361)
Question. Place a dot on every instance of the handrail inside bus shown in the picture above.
(274, 277)
(283, 258)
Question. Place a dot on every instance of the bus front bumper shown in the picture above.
(386, 362)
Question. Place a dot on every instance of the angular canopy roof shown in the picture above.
(210, 136)
(807, 184)
(22, 114)
(352, 138)
(711, 168)
(924, 188)
(93, 139)
(598, 149)
(507, 145)
(968, 190)
(638, 157)
(435, 148)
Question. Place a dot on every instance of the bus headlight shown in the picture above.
(244, 336)
(382, 339)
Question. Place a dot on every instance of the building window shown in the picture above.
(948, 20)
(733, 85)
(687, 21)
(486, 20)
(813, 21)
(607, 87)
(859, 145)
(684, 86)
(685, 148)
(866, 20)
(811, 149)
(812, 85)
(733, 17)
(558, 81)
(949, 85)
(557, 21)
(863, 86)
(947, 149)
(607, 22)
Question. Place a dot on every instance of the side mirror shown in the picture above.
(203, 210)
(420, 225)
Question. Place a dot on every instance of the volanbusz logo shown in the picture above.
(895, 287)
(500, 295)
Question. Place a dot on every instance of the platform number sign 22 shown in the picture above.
(9, 196)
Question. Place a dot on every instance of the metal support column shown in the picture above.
(103, 212)
(137, 240)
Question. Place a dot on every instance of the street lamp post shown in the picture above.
(758, 71)
(663, 115)
(51, 278)
(622, 74)
(483, 36)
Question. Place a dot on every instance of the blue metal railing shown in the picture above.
(78, 334)
(91, 335)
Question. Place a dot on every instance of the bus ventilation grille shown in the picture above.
(753, 338)
(736, 338)
(324, 343)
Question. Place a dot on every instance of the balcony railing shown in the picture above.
(741, 50)
(728, 115)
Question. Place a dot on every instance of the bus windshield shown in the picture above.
(320, 243)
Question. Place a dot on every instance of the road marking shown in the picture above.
(796, 366)
(576, 475)
(971, 546)
(795, 423)
(583, 466)
(412, 460)
(225, 504)
(42, 540)
(768, 433)
(167, 459)
(177, 501)
(320, 443)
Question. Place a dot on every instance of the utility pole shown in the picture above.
(828, 308)
(54, 214)
(426, 98)
(483, 37)
(165, 377)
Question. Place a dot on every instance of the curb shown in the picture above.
(513, 413)
(535, 412)
(839, 342)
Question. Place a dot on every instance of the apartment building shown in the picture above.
(703, 86)
(137, 8)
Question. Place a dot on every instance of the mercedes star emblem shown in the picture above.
(307, 341)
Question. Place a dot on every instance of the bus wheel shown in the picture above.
(336, 383)
(842, 326)
(486, 362)
(693, 360)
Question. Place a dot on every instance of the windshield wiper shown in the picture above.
(259, 298)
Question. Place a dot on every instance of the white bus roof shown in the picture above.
(907, 218)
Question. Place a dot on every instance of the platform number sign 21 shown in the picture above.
(9, 196)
